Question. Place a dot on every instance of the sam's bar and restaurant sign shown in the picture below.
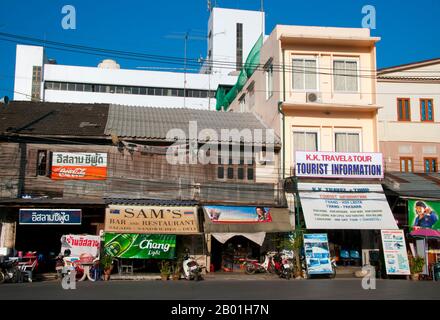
(339, 165)
(79, 166)
(151, 219)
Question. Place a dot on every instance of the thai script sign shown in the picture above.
(395, 254)
(79, 166)
(230, 214)
(345, 206)
(339, 165)
(140, 246)
(151, 219)
(81, 246)
(50, 216)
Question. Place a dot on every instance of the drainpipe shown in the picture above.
(280, 110)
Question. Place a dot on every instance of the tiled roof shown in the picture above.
(151, 202)
(155, 123)
(66, 119)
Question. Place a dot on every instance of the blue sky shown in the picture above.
(409, 29)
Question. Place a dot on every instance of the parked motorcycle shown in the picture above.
(9, 271)
(252, 266)
(191, 269)
(286, 268)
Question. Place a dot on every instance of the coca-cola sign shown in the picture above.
(79, 166)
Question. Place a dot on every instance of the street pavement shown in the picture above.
(223, 289)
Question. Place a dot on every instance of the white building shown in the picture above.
(231, 35)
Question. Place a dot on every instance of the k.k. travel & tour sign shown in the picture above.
(50, 216)
(339, 165)
(140, 246)
(79, 166)
(151, 219)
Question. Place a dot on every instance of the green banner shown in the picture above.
(140, 246)
(424, 214)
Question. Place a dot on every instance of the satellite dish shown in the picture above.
(5, 100)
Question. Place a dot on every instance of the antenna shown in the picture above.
(185, 36)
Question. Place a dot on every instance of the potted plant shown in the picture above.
(165, 270)
(106, 263)
(416, 266)
(176, 270)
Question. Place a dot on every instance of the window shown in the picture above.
(242, 103)
(143, 91)
(347, 142)
(406, 164)
(304, 74)
(430, 164)
(220, 173)
(79, 87)
(250, 173)
(239, 46)
(135, 90)
(88, 88)
(42, 163)
(269, 81)
(64, 86)
(403, 109)
(36, 83)
(251, 93)
(345, 75)
(230, 173)
(305, 141)
(426, 110)
(240, 173)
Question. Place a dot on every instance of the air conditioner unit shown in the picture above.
(313, 97)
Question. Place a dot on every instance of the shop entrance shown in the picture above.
(226, 256)
(346, 246)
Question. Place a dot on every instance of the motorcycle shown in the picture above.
(286, 268)
(191, 269)
(9, 271)
(252, 266)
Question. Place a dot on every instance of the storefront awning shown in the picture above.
(413, 185)
(345, 206)
(257, 237)
(238, 220)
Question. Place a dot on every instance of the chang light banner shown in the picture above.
(79, 166)
(345, 206)
(151, 219)
(339, 165)
(395, 254)
(140, 246)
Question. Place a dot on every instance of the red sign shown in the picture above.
(79, 166)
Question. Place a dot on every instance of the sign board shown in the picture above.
(423, 214)
(50, 216)
(395, 254)
(140, 246)
(317, 254)
(151, 219)
(81, 245)
(79, 166)
(345, 206)
(339, 165)
(229, 214)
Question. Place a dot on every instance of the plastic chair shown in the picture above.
(28, 269)
(355, 257)
(344, 256)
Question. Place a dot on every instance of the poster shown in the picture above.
(151, 219)
(345, 206)
(79, 166)
(395, 254)
(140, 246)
(80, 245)
(423, 214)
(50, 216)
(338, 165)
(229, 214)
(317, 254)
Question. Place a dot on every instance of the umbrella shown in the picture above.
(426, 233)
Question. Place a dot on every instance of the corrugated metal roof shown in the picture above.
(155, 123)
(43, 118)
(151, 202)
(417, 185)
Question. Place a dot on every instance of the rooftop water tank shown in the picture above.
(109, 64)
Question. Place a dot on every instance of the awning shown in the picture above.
(345, 206)
(280, 220)
(413, 185)
(257, 237)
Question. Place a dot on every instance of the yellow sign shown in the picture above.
(151, 220)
